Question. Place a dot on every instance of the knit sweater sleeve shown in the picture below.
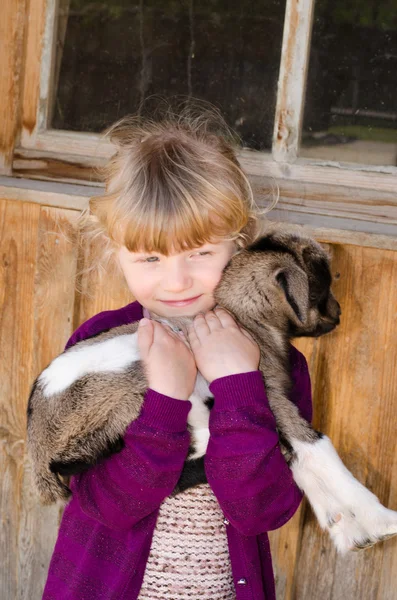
(244, 464)
(121, 490)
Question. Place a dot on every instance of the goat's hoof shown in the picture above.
(363, 545)
(352, 534)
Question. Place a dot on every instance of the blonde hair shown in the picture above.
(173, 184)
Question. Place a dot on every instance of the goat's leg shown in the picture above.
(79, 408)
(353, 516)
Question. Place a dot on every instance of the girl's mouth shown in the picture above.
(180, 302)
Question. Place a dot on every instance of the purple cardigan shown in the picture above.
(106, 530)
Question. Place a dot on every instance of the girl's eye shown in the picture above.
(151, 259)
(146, 260)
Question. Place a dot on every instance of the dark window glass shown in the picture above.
(112, 55)
(351, 101)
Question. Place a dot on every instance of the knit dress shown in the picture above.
(189, 555)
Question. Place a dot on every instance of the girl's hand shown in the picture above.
(168, 361)
(220, 346)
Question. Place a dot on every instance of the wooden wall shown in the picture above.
(354, 384)
(354, 380)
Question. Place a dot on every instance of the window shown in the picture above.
(310, 88)
(111, 56)
(351, 107)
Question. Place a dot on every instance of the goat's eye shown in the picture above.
(313, 297)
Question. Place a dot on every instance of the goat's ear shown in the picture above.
(295, 285)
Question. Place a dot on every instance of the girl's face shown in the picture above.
(155, 279)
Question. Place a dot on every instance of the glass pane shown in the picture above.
(111, 55)
(351, 101)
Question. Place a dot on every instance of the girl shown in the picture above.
(177, 207)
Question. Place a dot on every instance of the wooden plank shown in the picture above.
(47, 63)
(335, 236)
(333, 207)
(44, 193)
(12, 29)
(84, 144)
(52, 307)
(334, 200)
(369, 177)
(354, 381)
(64, 169)
(284, 546)
(36, 17)
(292, 79)
(19, 223)
(388, 579)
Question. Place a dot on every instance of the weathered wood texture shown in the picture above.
(12, 28)
(354, 381)
(292, 79)
(36, 15)
(37, 275)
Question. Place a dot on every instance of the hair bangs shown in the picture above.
(172, 207)
(178, 226)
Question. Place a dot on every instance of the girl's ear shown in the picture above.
(295, 285)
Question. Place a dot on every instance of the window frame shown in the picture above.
(356, 196)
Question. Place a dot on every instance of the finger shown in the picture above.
(145, 336)
(200, 325)
(225, 318)
(213, 321)
(177, 335)
(192, 335)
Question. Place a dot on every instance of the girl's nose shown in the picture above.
(177, 280)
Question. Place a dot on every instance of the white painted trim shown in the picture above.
(46, 193)
(295, 54)
(56, 141)
(46, 58)
(47, 62)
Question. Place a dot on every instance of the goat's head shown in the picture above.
(283, 280)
